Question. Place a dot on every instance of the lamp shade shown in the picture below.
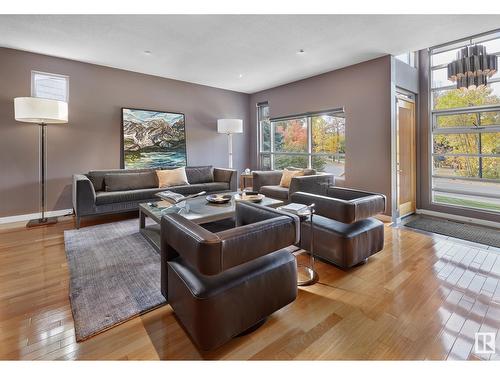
(40, 111)
(229, 126)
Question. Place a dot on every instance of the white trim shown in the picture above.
(486, 223)
(13, 219)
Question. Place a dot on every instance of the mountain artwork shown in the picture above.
(152, 139)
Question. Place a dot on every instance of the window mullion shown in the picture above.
(272, 144)
(309, 142)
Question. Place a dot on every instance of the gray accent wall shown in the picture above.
(364, 90)
(91, 139)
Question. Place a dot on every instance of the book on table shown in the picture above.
(175, 198)
(295, 208)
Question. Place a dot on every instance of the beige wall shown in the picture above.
(91, 139)
(364, 91)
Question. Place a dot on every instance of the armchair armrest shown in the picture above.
(227, 175)
(315, 184)
(83, 195)
(346, 211)
(265, 178)
(198, 246)
(245, 243)
(249, 213)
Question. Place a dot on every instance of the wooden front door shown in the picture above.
(406, 156)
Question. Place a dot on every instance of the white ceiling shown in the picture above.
(245, 53)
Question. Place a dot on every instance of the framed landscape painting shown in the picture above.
(153, 139)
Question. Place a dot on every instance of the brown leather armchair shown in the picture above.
(268, 183)
(345, 233)
(222, 284)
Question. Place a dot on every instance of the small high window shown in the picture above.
(49, 86)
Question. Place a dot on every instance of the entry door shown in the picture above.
(406, 156)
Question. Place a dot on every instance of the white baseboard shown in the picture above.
(27, 217)
(465, 219)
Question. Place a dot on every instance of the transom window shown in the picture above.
(315, 140)
(465, 134)
(49, 86)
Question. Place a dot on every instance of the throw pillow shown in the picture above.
(286, 177)
(307, 171)
(172, 177)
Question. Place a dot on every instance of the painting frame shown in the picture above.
(123, 164)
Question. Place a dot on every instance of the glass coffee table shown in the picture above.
(198, 210)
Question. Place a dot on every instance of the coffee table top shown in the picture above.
(200, 211)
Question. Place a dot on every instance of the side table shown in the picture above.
(246, 181)
(306, 273)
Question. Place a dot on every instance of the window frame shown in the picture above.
(33, 89)
(434, 114)
(309, 153)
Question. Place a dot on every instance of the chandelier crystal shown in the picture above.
(472, 68)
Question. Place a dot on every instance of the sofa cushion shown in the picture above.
(187, 189)
(216, 186)
(130, 181)
(97, 177)
(109, 197)
(274, 191)
(172, 177)
(200, 175)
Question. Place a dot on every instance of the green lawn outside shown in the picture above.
(467, 203)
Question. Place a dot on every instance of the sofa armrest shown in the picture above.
(345, 211)
(227, 175)
(315, 184)
(265, 178)
(83, 195)
(252, 241)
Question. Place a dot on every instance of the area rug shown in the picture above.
(469, 232)
(114, 276)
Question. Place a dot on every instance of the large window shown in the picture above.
(307, 141)
(465, 134)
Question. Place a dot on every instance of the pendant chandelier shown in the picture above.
(472, 68)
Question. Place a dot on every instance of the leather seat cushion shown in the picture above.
(275, 191)
(343, 244)
(213, 309)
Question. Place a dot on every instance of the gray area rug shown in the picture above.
(114, 276)
(469, 232)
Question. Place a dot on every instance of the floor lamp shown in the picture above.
(41, 112)
(230, 126)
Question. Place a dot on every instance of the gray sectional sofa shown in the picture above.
(119, 190)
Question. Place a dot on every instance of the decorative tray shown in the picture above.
(219, 198)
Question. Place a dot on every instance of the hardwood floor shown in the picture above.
(422, 297)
